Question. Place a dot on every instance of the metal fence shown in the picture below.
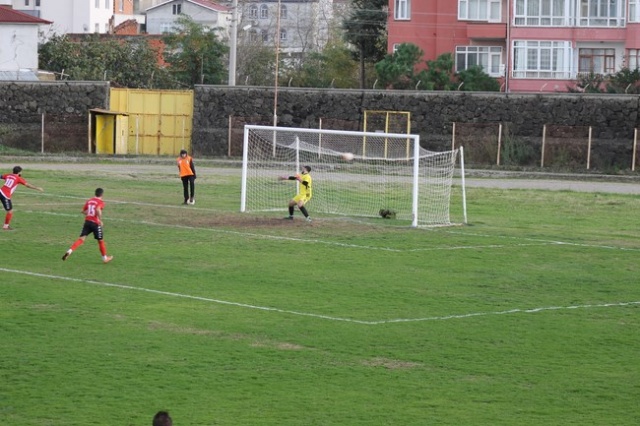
(47, 133)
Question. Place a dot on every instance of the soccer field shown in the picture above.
(529, 315)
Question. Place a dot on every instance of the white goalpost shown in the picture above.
(389, 171)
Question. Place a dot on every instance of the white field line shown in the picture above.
(533, 241)
(305, 240)
(307, 314)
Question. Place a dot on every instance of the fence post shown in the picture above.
(635, 146)
(544, 137)
(90, 135)
(589, 150)
(42, 133)
(499, 143)
(229, 134)
(453, 137)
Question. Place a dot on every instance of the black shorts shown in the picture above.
(91, 228)
(6, 202)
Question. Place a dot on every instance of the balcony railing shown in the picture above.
(568, 21)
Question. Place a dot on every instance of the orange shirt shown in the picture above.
(185, 166)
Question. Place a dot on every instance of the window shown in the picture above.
(542, 59)
(37, 3)
(121, 5)
(264, 11)
(597, 61)
(488, 57)
(26, 2)
(633, 59)
(601, 13)
(97, 4)
(283, 11)
(634, 10)
(402, 9)
(265, 36)
(107, 4)
(96, 28)
(253, 12)
(283, 35)
(177, 9)
(479, 10)
(541, 13)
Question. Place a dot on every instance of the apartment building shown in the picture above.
(300, 26)
(80, 16)
(529, 45)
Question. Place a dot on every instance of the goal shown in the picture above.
(390, 171)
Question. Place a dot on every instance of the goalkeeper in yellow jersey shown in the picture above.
(304, 193)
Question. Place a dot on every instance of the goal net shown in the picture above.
(389, 171)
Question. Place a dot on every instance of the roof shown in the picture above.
(203, 3)
(10, 16)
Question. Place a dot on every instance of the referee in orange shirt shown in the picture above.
(187, 172)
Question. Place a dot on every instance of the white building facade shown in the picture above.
(78, 16)
(162, 18)
(19, 33)
(300, 26)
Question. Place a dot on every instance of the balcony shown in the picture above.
(487, 30)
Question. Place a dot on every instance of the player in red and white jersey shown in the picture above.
(11, 182)
(92, 211)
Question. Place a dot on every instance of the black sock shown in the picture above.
(303, 209)
(291, 211)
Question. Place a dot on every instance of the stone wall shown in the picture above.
(65, 106)
(523, 117)
(612, 118)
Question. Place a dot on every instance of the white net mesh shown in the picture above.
(382, 175)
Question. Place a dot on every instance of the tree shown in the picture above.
(439, 74)
(588, 83)
(125, 63)
(474, 79)
(194, 53)
(624, 81)
(333, 67)
(397, 71)
(365, 28)
(256, 64)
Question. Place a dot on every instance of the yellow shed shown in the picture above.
(160, 121)
(108, 132)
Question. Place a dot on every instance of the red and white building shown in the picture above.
(530, 45)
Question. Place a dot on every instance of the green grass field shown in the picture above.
(528, 316)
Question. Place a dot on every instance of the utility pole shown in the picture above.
(233, 43)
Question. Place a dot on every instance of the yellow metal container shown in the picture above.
(108, 131)
(159, 121)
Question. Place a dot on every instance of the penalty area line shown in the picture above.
(319, 316)
(179, 295)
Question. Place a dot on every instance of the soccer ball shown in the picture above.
(347, 156)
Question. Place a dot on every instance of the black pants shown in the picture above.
(189, 183)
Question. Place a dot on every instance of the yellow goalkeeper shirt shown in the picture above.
(306, 190)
